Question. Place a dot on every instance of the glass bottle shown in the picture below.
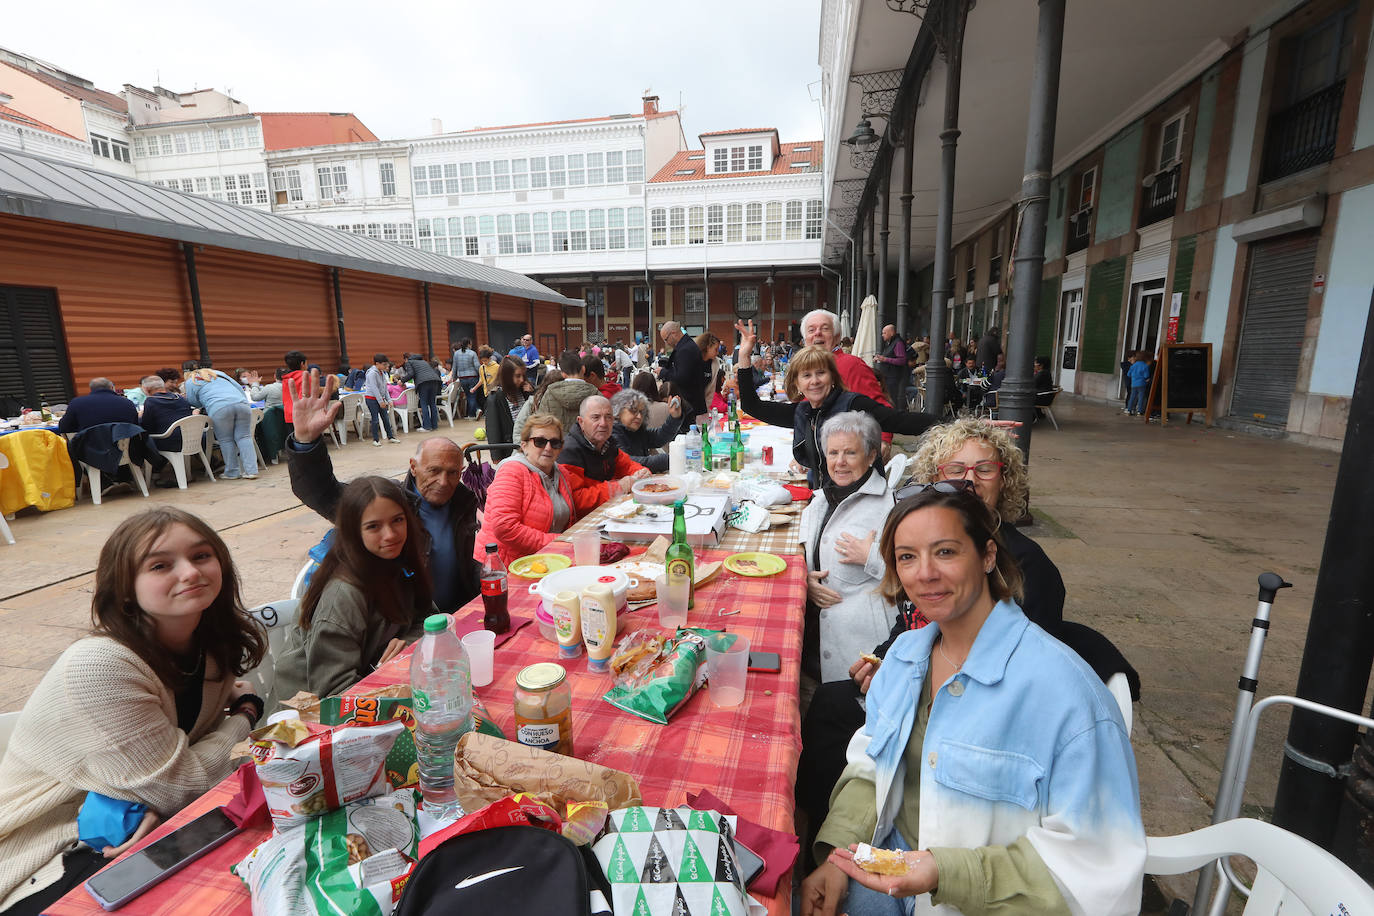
(679, 560)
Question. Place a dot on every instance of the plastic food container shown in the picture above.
(545, 621)
(574, 579)
(646, 490)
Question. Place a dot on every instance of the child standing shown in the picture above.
(1139, 374)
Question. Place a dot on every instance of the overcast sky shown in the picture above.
(732, 63)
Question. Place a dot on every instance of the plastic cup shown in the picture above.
(480, 646)
(672, 602)
(727, 664)
(587, 548)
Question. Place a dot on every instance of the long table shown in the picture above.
(746, 755)
(40, 471)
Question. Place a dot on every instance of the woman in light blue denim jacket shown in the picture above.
(990, 748)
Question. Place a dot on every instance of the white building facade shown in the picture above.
(363, 188)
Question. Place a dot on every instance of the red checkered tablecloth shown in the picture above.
(746, 755)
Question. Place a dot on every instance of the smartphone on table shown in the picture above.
(765, 661)
(126, 879)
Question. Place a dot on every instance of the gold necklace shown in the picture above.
(940, 646)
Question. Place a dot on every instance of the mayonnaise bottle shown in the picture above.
(598, 624)
(567, 624)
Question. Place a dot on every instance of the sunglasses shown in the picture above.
(541, 442)
(939, 486)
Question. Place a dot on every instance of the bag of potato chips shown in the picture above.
(307, 770)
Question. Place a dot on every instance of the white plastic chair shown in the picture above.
(404, 408)
(896, 467)
(93, 475)
(4, 525)
(1120, 689)
(193, 431)
(253, 431)
(7, 722)
(298, 586)
(353, 411)
(1294, 876)
(275, 616)
(448, 401)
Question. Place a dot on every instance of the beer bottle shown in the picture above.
(679, 560)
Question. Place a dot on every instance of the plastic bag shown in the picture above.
(660, 692)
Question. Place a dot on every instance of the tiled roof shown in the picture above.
(290, 129)
(790, 161)
(740, 130)
(99, 96)
(615, 117)
(18, 117)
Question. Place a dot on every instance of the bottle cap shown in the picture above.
(491, 548)
(678, 504)
(436, 623)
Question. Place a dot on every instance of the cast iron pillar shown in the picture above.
(1016, 400)
(904, 237)
(338, 313)
(1340, 634)
(188, 251)
(884, 204)
(870, 259)
(429, 323)
(939, 379)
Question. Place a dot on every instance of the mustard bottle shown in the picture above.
(567, 624)
(598, 625)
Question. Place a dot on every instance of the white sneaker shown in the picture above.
(250, 476)
(394, 440)
(377, 443)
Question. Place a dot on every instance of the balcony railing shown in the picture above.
(1160, 198)
(1079, 225)
(1303, 134)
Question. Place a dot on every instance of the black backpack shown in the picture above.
(516, 869)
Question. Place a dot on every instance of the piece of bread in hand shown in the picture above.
(873, 660)
(880, 861)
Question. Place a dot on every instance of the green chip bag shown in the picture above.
(670, 683)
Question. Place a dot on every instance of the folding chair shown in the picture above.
(1051, 394)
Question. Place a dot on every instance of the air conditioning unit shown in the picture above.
(453, 200)
(522, 197)
(634, 190)
(558, 194)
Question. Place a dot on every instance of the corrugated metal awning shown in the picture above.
(44, 188)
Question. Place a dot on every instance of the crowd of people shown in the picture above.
(949, 712)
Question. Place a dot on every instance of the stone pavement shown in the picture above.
(1160, 534)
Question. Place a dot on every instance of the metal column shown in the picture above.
(938, 375)
(904, 252)
(1016, 400)
(884, 208)
(189, 252)
(1337, 656)
(338, 313)
(870, 261)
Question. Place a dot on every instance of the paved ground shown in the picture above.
(1159, 533)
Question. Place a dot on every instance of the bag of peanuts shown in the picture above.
(308, 770)
(353, 860)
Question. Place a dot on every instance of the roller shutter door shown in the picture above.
(1272, 328)
(33, 352)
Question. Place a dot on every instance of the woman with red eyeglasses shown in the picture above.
(530, 500)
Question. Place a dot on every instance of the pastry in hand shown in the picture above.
(880, 861)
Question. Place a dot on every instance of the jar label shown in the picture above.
(543, 735)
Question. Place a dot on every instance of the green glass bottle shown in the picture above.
(680, 561)
(706, 449)
(736, 454)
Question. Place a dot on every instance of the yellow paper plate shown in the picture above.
(755, 564)
(552, 563)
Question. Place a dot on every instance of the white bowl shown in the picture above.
(576, 578)
(666, 497)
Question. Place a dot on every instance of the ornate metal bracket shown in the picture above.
(916, 8)
(851, 190)
(879, 92)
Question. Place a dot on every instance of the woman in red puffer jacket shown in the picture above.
(530, 501)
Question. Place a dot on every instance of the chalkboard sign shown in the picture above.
(1183, 380)
(1070, 357)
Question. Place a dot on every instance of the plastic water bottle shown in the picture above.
(441, 688)
(694, 449)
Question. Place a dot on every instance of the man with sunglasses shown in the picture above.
(447, 508)
(593, 462)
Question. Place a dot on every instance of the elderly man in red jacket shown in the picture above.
(822, 328)
(593, 462)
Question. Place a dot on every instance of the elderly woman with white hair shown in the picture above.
(630, 408)
(845, 614)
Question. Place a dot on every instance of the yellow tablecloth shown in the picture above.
(40, 472)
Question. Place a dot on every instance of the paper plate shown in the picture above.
(755, 564)
(552, 561)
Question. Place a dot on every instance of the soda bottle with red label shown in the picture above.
(495, 615)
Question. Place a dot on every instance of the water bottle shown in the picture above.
(441, 690)
(694, 449)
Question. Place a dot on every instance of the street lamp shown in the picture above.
(863, 135)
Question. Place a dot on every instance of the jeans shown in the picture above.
(428, 393)
(381, 419)
(1136, 402)
(861, 901)
(234, 433)
(469, 385)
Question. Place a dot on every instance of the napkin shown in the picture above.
(473, 622)
(248, 807)
(777, 849)
(104, 821)
(798, 491)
